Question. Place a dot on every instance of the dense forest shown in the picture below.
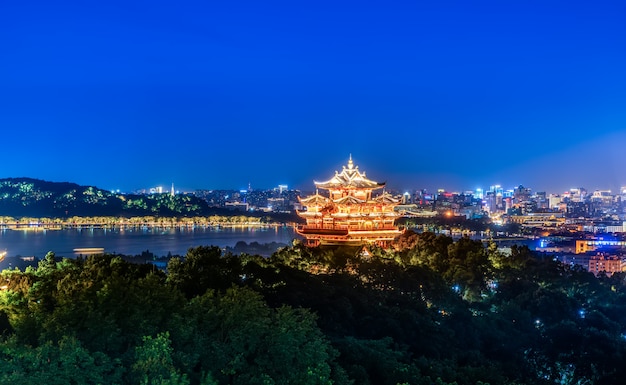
(430, 311)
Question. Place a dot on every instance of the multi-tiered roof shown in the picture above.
(350, 213)
(350, 178)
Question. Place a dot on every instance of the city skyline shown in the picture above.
(169, 188)
(454, 96)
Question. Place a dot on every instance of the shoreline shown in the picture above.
(42, 226)
(134, 240)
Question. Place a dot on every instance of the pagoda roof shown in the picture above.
(349, 178)
(315, 200)
(349, 200)
(385, 198)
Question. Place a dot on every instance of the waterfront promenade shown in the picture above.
(36, 224)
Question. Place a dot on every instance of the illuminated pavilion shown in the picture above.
(350, 214)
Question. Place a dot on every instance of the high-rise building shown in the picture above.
(554, 201)
(577, 194)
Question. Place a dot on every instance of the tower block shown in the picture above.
(349, 213)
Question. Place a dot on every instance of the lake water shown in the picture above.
(133, 241)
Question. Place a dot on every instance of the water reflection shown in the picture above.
(134, 240)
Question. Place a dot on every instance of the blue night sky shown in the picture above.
(423, 94)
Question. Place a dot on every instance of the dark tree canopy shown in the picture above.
(432, 311)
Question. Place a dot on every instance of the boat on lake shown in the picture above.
(89, 250)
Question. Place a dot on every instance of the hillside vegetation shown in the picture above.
(433, 311)
(32, 198)
(21, 197)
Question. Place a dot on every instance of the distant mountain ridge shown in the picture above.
(28, 197)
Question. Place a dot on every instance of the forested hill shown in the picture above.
(26, 197)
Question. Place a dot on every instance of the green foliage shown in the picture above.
(109, 310)
(25, 197)
(203, 268)
(69, 297)
(240, 340)
(377, 362)
(433, 312)
(65, 362)
(154, 364)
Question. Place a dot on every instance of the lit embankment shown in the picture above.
(36, 224)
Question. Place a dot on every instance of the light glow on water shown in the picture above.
(133, 241)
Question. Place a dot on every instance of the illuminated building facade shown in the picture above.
(349, 213)
(608, 265)
(587, 245)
